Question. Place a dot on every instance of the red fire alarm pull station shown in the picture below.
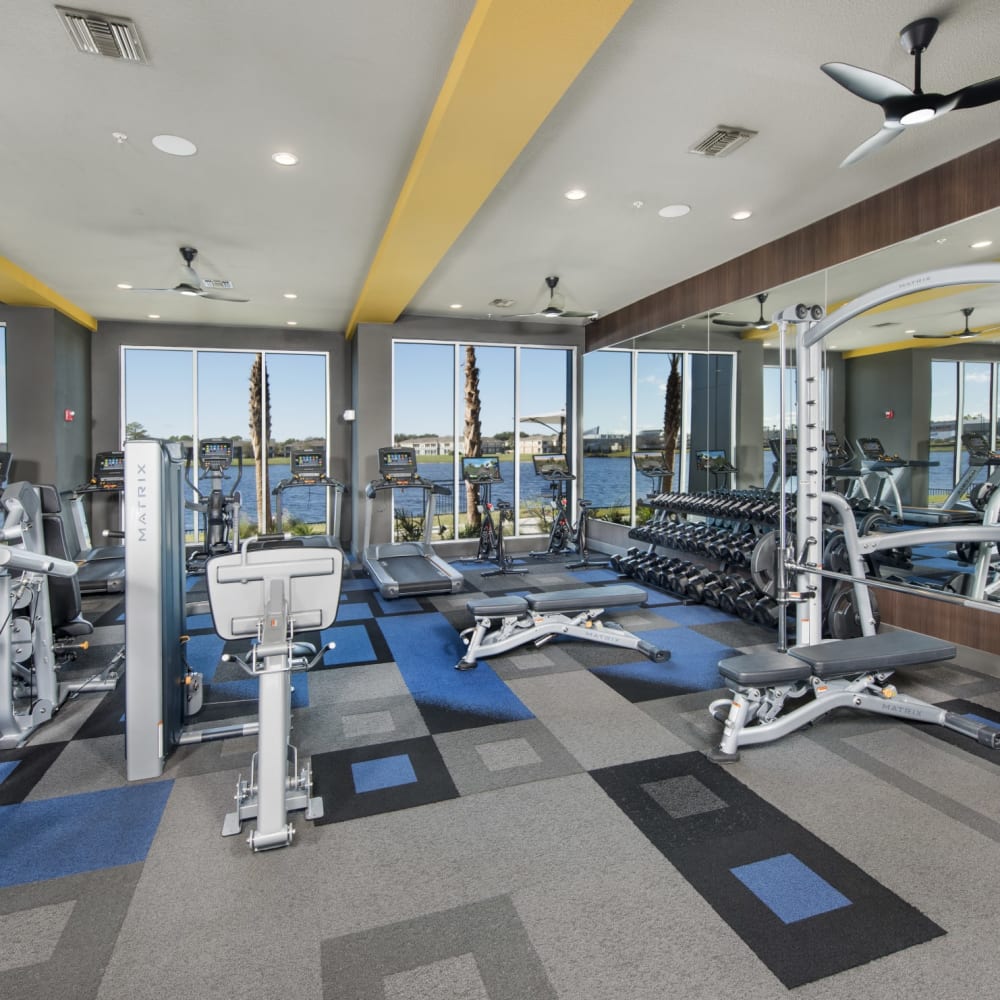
(69, 416)
(889, 414)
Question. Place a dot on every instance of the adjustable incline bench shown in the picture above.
(539, 618)
(844, 673)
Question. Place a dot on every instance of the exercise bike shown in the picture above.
(564, 536)
(221, 510)
(481, 472)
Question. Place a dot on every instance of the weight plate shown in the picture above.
(842, 619)
(763, 564)
(835, 555)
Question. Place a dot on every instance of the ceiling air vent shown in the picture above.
(722, 140)
(103, 34)
(216, 283)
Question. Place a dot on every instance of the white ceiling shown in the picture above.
(349, 86)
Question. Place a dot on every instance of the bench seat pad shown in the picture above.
(874, 653)
(614, 596)
(754, 669)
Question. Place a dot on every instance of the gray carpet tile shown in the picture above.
(365, 682)
(594, 724)
(72, 714)
(330, 726)
(84, 766)
(492, 757)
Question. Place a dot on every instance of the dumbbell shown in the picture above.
(730, 594)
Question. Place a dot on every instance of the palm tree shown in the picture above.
(472, 442)
(259, 392)
(671, 419)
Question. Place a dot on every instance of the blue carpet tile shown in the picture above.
(693, 666)
(367, 781)
(594, 574)
(6, 767)
(426, 649)
(51, 838)
(693, 614)
(805, 910)
(354, 609)
(353, 645)
(349, 585)
(203, 653)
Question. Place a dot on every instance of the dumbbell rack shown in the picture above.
(721, 530)
(733, 545)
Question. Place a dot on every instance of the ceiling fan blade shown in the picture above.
(978, 94)
(879, 139)
(742, 324)
(864, 83)
(219, 298)
(150, 289)
(569, 314)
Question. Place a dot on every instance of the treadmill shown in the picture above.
(100, 569)
(307, 469)
(885, 469)
(406, 569)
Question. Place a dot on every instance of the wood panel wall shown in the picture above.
(951, 622)
(956, 190)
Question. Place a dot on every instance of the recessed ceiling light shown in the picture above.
(124, 284)
(741, 215)
(175, 145)
(291, 322)
(980, 244)
(290, 295)
(119, 137)
(285, 159)
(638, 204)
(154, 315)
(673, 211)
(575, 194)
(455, 305)
(941, 239)
(909, 331)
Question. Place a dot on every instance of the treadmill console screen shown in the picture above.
(713, 461)
(836, 453)
(109, 470)
(872, 449)
(215, 454)
(551, 466)
(791, 448)
(481, 469)
(397, 463)
(649, 463)
(308, 464)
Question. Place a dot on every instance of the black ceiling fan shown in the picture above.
(191, 283)
(962, 334)
(757, 324)
(900, 105)
(554, 311)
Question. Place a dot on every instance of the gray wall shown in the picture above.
(48, 372)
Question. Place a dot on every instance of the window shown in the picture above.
(189, 395)
(964, 399)
(451, 399)
(614, 428)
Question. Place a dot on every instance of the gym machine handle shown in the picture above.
(35, 562)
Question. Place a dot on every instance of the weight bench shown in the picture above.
(539, 618)
(843, 673)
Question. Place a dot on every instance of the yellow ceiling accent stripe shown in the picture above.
(18, 288)
(514, 62)
(903, 302)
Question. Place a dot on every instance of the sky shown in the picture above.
(159, 393)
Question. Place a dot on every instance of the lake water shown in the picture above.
(607, 482)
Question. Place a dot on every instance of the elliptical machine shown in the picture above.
(220, 510)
